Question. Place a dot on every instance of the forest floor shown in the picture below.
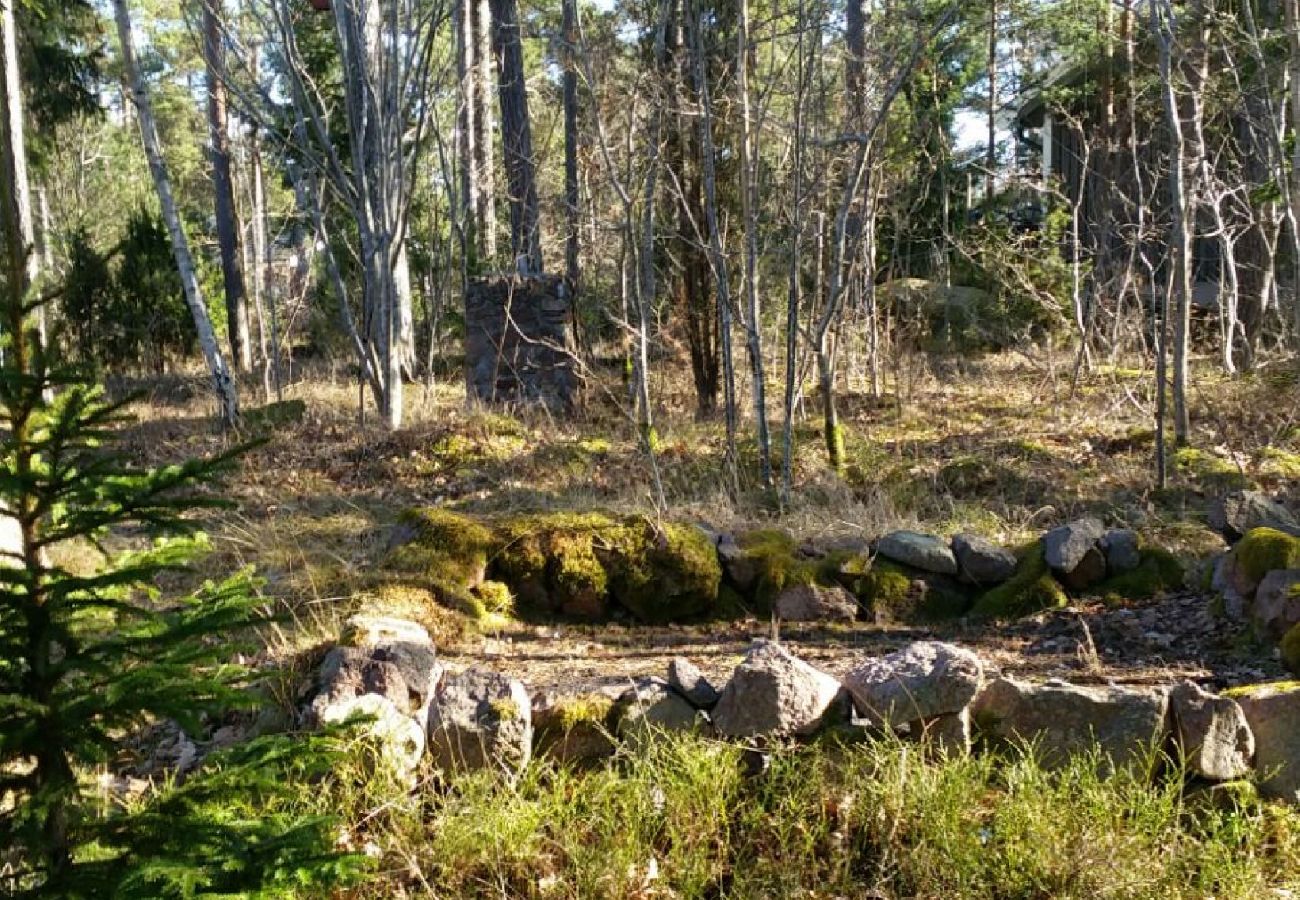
(1004, 446)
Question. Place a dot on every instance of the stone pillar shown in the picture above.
(519, 344)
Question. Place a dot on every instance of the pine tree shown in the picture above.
(88, 658)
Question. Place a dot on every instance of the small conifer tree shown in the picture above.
(88, 658)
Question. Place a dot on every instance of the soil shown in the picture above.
(1160, 642)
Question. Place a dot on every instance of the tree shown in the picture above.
(384, 61)
(214, 56)
(517, 138)
(222, 381)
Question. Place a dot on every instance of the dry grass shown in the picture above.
(997, 446)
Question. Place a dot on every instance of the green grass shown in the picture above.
(678, 818)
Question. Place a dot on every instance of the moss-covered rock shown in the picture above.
(1029, 590)
(662, 572)
(893, 592)
(1291, 648)
(443, 550)
(1157, 572)
(767, 560)
(1264, 550)
(551, 561)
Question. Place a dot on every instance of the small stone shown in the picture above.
(1277, 603)
(1273, 712)
(1223, 581)
(924, 680)
(773, 693)
(920, 551)
(816, 603)
(1061, 720)
(740, 567)
(1212, 732)
(981, 561)
(651, 706)
(686, 678)
(1241, 511)
(399, 738)
(1065, 548)
(481, 720)
(1122, 550)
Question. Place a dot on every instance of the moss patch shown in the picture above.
(1263, 550)
(1209, 471)
(663, 573)
(445, 551)
(550, 561)
(1030, 589)
(1291, 649)
(1249, 690)
(1158, 571)
(771, 554)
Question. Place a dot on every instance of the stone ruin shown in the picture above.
(519, 345)
(940, 695)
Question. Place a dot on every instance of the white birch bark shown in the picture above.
(222, 382)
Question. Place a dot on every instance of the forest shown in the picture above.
(649, 448)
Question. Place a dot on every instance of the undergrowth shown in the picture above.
(679, 818)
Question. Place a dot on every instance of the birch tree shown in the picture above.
(222, 381)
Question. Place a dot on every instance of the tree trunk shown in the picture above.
(485, 130)
(795, 274)
(1293, 73)
(571, 199)
(223, 383)
(749, 203)
(467, 132)
(695, 26)
(21, 242)
(1182, 222)
(232, 276)
(517, 138)
(991, 158)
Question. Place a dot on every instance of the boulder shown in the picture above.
(981, 561)
(1241, 511)
(480, 720)
(1211, 732)
(1273, 711)
(773, 693)
(404, 644)
(920, 551)
(1090, 570)
(402, 672)
(1066, 548)
(651, 706)
(1122, 549)
(923, 681)
(1062, 720)
(686, 678)
(1277, 603)
(816, 603)
(399, 739)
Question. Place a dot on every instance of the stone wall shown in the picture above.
(519, 341)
